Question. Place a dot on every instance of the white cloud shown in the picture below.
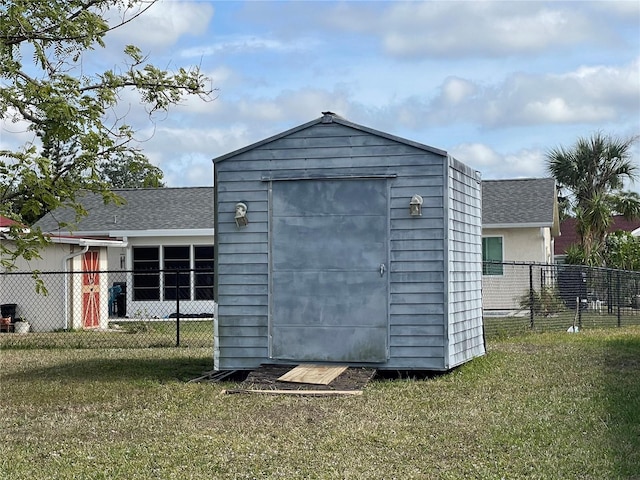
(163, 24)
(477, 154)
(456, 90)
(428, 29)
(246, 44)
(524, 163)
(590, 94)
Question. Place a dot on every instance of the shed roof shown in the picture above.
(330, 117)
(186, 208)
(527, 202)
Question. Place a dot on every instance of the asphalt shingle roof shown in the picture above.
(504, 202)
(520, 201)
(570, 236)
(144, 209)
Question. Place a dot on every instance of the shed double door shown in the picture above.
(328, 270)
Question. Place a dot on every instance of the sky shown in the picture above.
(496, 84)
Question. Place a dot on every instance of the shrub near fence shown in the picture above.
(160, 308)
(524, 297)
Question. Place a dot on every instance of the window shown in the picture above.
(492, 252)
(178, 282)
(183, 270)
(203, 264)
(146, 273)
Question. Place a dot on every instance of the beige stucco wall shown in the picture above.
(524, 244)
(520, 245)
(61, 307)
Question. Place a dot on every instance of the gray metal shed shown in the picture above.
(322, 259)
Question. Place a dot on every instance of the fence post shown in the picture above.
(177, 308)
(609, 293)
(618, 298)
(531, 296)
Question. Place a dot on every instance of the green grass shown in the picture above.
(547, 406)
(199, 333)
(122, 334)
(560, 321)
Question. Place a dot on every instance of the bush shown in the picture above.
(545, 302)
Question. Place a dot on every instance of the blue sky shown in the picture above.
(496, 84)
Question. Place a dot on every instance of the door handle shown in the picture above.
(383, 268)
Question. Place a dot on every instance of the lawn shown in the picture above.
(121, 334)
(542, 405)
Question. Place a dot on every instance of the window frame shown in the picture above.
(489, 268)
(139, 275)
(194, 285)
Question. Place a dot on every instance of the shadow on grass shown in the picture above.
(154, 368)
(622, 392)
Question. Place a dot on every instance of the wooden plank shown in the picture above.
(300, 393)
(315, 374)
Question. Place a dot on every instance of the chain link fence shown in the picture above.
(105, 309)
(175, 308)
(521, 297)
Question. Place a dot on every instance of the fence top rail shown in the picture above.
(560, 265)
(75, 272)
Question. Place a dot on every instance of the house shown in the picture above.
(338, 243)
(520, 220)
(6, 224)
(570, 236)
(152, 231)
(520, 223)
(72, 302)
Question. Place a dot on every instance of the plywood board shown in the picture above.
(314, 374)
(299, 393)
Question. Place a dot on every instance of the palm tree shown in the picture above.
(594, 171)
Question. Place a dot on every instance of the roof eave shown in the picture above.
(182, 232)
(186, 232)
(87, 242)
(518, 225)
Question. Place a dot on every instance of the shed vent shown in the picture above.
(328, 117)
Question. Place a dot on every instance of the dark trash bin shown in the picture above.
(572, 284)
(8, 310)
(121, 299)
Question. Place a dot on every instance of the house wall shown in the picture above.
(530, 244)
(465, 332)
(146, 309)
(20, 288)
(57, 309)
(524, 245)
(418, 252)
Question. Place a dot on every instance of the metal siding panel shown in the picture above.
(249, 280)
(354, 242)
(400, 321)
(308, 299)
(328, 299)
(435, 362)
(418, 288)
(465, 262)
(244, 299)
(240, 331)
(426, 351)
(225, 311)
(418, 341)
(356, 343)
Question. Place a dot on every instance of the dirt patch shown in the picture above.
(266, 378)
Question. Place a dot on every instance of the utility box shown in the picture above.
(340, 244)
